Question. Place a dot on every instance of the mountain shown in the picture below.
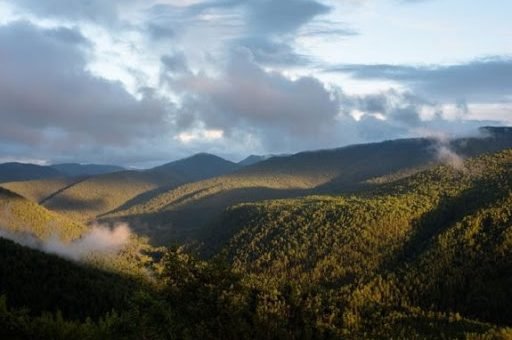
(426, 255)
(81, 170)
(185, 212)
(10, 172)
(439, 241)
(198, 167)
(101, 194)
(422, 249)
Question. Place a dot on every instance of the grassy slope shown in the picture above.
(416, 250)
(85, 200)
(18, 214)
(100, 194)
(184, 212)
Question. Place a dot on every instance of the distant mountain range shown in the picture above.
(166, 201)
(78, 170)
(10, 172)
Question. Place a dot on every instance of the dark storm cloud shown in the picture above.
(485, 80)
(48, 98)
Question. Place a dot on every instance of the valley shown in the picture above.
(368, 241)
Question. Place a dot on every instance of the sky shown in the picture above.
(143, 82)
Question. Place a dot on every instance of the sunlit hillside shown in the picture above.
(39, 189)
(18, 214)
(98, 195)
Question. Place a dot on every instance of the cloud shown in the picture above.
(449, 157)
(272, 52)
(266, 27)
(483, 80)
(48, 99)
(223, 76)
(397, 114)
(100, 240)
(282, 16)
(95, 10)
(245, 96)
(262, 17)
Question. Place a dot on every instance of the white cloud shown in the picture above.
(199, 135)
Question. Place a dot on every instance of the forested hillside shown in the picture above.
(185, 212)
(437, 242)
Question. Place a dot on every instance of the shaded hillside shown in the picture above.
(190, 298)
(48, 283)
(18, 214)
(10, 172)
(39, 189)
(439, 241)
(100, 194)
(252, 159)
(80, 170)
(183, 213)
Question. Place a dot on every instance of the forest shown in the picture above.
(425, 255)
